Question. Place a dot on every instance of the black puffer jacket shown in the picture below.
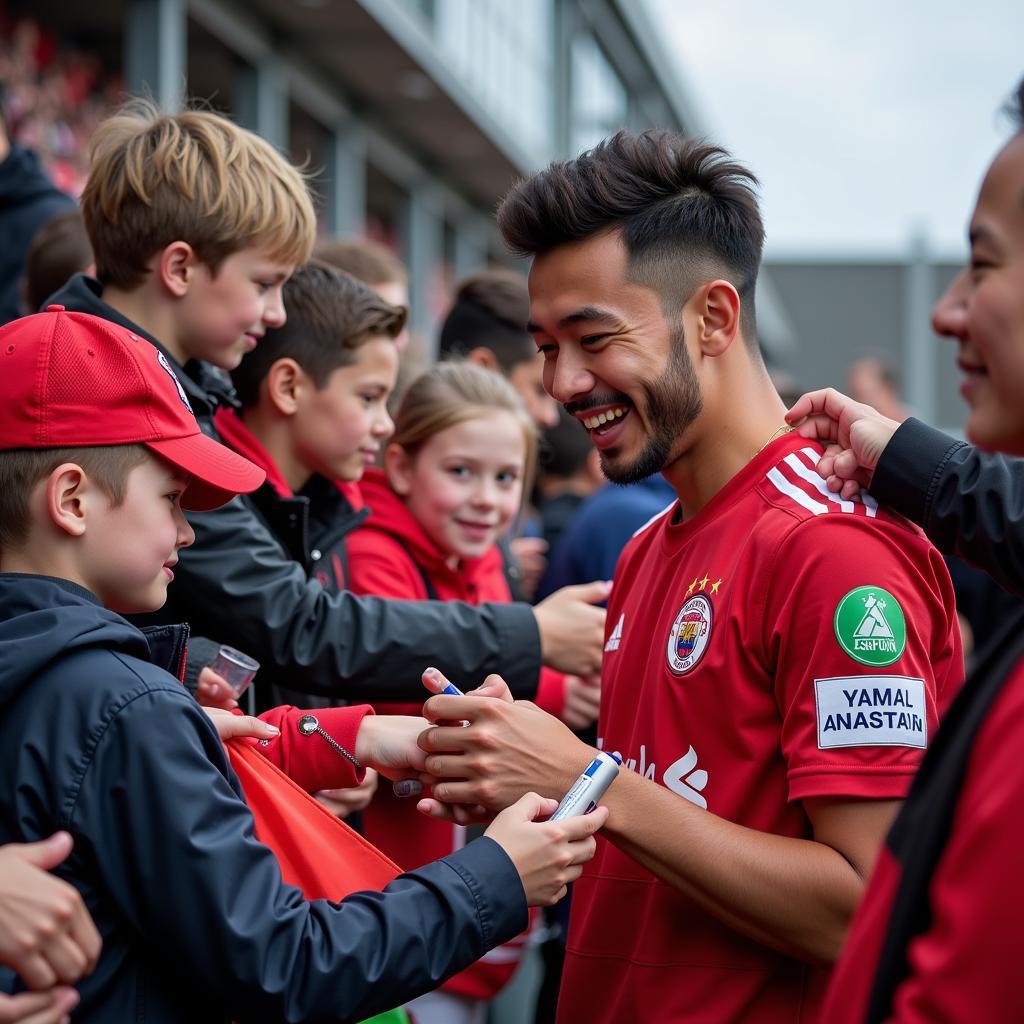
(196, 923)
(238, 585)
(970, 503)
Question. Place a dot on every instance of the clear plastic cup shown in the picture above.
(236, 668)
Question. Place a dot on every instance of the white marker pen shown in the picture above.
(589, 787)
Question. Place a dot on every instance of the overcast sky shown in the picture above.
(861, 119)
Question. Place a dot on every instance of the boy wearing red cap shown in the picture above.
(99, 454)
(195, 225)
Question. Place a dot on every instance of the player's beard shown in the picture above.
(670, 404)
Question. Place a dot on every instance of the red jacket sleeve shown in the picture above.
(311, 761)
(380, 567)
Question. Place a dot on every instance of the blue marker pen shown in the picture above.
(442, 684)
(589, 787)
(439, 684)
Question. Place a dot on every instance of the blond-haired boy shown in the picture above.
(99, 454)
(196, 224)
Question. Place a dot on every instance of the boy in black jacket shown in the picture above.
(195, 225)
(100, 454)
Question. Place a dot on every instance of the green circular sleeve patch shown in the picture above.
(870, 626)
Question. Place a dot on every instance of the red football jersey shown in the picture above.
(964, 967)
(779, 645)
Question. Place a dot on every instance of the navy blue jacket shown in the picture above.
(196, 922)
(590, 545)
(28, 199)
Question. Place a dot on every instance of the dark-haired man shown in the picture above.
(775, 657)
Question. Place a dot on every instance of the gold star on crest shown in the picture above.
(715, 586)
(692, 587)
(704, 582)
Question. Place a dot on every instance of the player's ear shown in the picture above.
(716, 306)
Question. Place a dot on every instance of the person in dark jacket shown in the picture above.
(938, 934)
(969, 500)
(28, 200)
(204, 283)
(100, 457)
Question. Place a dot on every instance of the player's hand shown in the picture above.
(230, 725)
(212, 691)
(547, 854)
(343, 802)
(53, 1006)
(572, 629)
(502, 752)
(530, 554)
(855, 435)
(582, 701)
(46, 934)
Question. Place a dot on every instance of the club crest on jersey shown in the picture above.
(690, 633)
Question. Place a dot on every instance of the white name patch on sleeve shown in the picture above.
(871, 711)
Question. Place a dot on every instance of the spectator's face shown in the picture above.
(129, 551)
(337, 430)
(611, 358)
(224, 315)
(983, 309)
(465, 483)
(527, 378)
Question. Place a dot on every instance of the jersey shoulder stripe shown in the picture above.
(796, 478)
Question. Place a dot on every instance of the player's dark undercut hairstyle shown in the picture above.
(686, 210)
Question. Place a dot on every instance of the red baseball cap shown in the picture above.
(72, 380)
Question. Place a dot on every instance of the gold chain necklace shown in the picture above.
(784, 429)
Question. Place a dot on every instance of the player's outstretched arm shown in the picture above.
(794, 895)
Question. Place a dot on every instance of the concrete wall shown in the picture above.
(841, 310)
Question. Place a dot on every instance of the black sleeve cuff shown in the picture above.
(492, 878)
(909, 468)
(518, 659)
